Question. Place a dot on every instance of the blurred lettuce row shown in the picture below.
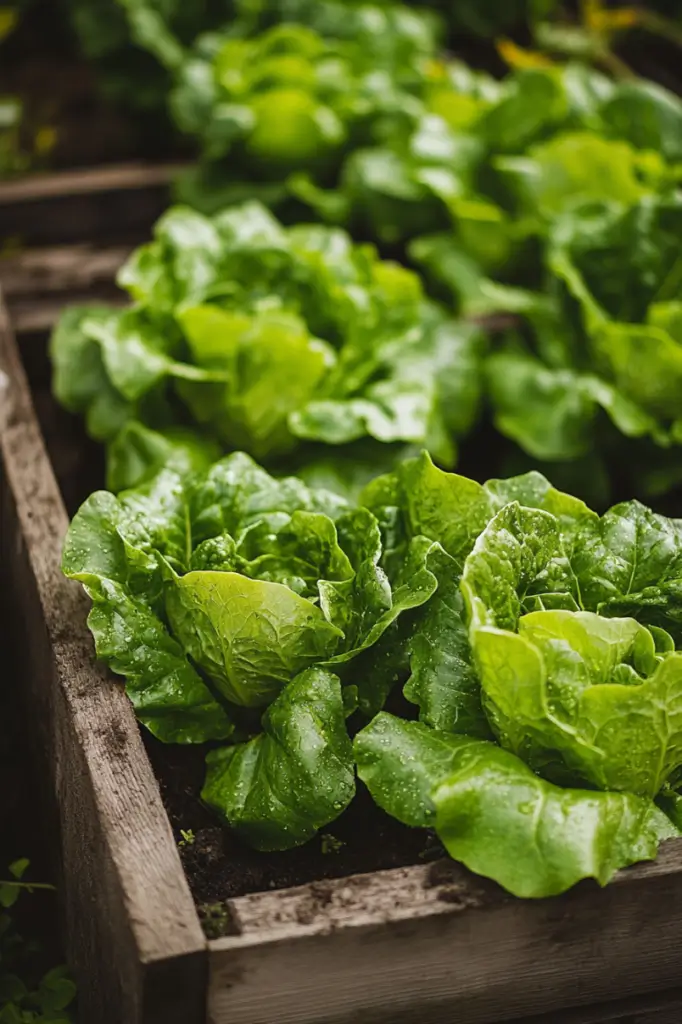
(322, 80)
(552, 197)
(107, 35)
(537, 640)
(120, 36)
(292, 344)
(523, 198)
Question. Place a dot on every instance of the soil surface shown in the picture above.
(219, 866)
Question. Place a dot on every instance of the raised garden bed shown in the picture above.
(376, 932)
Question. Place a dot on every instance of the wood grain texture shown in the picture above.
(99, 204)
(58, 269)
(435, 945)
(62, 184)
(39, 284)
(132, 932)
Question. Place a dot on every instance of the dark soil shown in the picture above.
(219, 866)
(59, 88)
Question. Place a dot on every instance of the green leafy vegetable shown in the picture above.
(264, 338)
(27, 996)
(495, 815)
(278, 789)
(552, 629)
(223, 590)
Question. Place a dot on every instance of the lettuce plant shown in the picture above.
(568, 224)
(265, 339)
(492, 188)
(546, 675)
(291, 85)
(292, 96)
(225, 594)
(536, 640)
(523, 198)
(109, 32)
(28, 996)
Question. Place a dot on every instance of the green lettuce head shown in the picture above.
(224, 592)
(270, 340)
(546, 675)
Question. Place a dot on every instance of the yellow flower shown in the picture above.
(517, 57)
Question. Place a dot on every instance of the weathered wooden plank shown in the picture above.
(132, 932)
(62, 184)
(116, 202)
(58, 269)
(39, 284)
(434, 944)
(40, 315)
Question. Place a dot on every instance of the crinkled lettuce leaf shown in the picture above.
(293, 778)
(567, 685)
(418, 498)
(110, 552)
(496, 816)
(629, 562)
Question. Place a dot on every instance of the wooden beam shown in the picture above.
(132, 932)
(437, 945)
(87, 181)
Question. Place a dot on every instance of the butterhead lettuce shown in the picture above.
(224, 594)
(546, 675)
(265, 339)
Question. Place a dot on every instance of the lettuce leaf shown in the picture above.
(296, 776)
(496, 816)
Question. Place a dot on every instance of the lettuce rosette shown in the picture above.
(239, 608)
(282, 342)
(519, 199)
(289, 87)
(546, 675)
(579, 246)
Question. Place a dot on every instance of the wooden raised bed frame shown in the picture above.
(429, 944)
